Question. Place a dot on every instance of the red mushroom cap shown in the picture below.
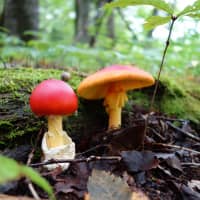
(53, 97)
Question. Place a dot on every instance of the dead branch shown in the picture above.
(190, 135)
(177, 147)
(89, 159)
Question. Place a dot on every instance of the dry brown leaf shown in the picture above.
(8, 197)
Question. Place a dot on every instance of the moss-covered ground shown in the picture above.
(175, 98)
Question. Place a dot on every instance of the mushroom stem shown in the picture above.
(114, 118)
(114, 101)
(55, 135)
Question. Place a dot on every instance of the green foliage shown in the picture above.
(159, 4)
(195, 16)
(190, 9)
(155, 21)
(55, 46)
(11, 170)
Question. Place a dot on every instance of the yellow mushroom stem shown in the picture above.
(114, 102)
(56, 136)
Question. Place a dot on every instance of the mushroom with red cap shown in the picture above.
(55, 98)
(112, 83)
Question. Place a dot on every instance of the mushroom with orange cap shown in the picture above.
(112, 83)
(55, 98)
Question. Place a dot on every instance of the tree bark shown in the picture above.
(111, 26)
(21, 16)
(82, 9)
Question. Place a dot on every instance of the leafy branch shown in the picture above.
(11, 170)
(154, 21)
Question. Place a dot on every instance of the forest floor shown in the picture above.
(153, 156)
(165, 165)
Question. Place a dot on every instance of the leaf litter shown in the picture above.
(161, 164)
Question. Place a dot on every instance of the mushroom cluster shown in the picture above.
(54, 99)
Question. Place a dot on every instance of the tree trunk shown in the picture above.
(21, 16)
(98, 21)
(82, 9)
(111, 26)
(150, 33)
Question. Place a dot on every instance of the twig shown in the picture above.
(89, 159)
(30, 185)
(31, 154)
(173, 19)
(33, 191)
(190, 164)
(190, 135)
(92, 149)
(170, 119)
(194, 152)
(158, 134)
(162, 61)
(127, 23)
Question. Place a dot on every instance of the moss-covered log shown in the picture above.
(17, 120)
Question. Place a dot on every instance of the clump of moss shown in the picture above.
(174, 97)
(16, 85)
(181, 99)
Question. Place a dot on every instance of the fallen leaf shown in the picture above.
(187, 193)
(8, 197)
(75, 182)
(194, 184)
(139, 161)
(175, 163)
(127, 139)
(103, 185)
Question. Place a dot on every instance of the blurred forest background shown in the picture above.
(82, 35)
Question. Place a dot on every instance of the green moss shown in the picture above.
(175, 97)
(5, 124)
(182, 99)
(138, 98)
(16, 85)
(19, 79)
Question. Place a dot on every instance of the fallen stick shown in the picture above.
(184, 164)
(190, 135)
(89, 159)
(194, 152)
(30, 157)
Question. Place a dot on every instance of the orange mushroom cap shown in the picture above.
(97, 85)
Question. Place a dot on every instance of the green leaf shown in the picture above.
(195, 15)
(154, 21)
(193, 8)
(159, 4)
(38, 180)
(11, 170)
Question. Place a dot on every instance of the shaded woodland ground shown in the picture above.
(156, 152)
(164, 163)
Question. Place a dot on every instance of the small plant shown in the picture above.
(11, 170)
